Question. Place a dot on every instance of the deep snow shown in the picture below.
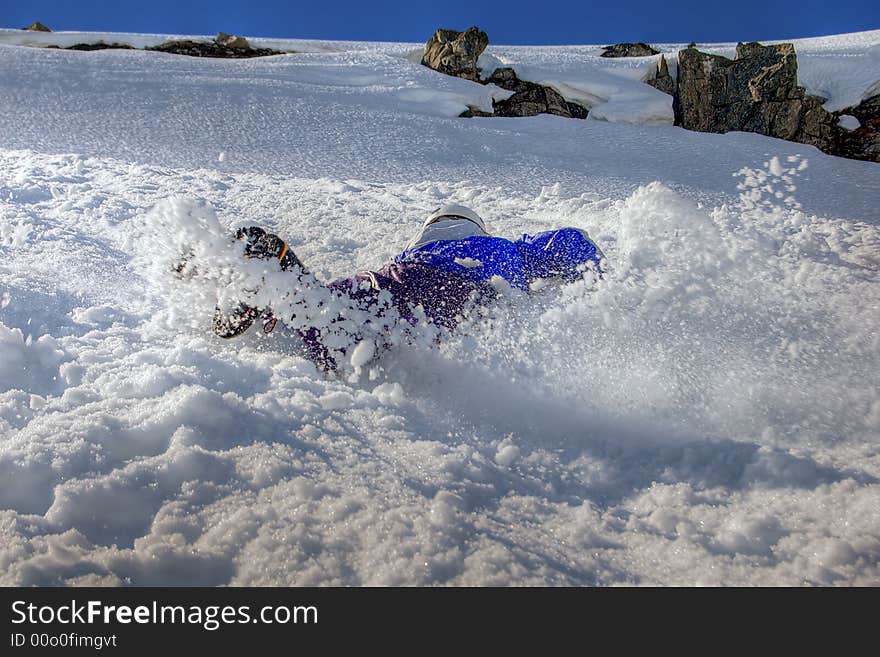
(709, 413)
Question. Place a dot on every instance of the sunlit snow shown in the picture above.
(708, 413)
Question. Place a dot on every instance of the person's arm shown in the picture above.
(562, 254)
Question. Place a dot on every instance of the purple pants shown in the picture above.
(443, 297)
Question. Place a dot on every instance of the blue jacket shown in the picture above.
(559, 253)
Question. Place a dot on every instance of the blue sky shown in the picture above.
(511, 22)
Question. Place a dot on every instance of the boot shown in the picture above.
(265, 246)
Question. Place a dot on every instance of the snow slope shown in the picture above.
(707, 414)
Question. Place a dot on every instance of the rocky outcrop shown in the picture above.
(97, 46)
(530, 99)
(660, 78)
(867, 112)
(456, 53)
(223, 45)
(37, 27)
(629, 50)
(862, 143)
(231, 47)
(757, 91)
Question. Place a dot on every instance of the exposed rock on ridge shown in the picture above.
(100, 45)
(531, 99)
(757, 91)
(661, 79)
(37, 26)
(224, 45)
(638, 49)
(456, 53)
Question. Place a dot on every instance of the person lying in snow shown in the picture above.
(451, 263)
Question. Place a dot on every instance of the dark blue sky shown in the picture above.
(512, 22)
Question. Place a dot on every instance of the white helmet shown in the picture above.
(453, 211)
(449, 222)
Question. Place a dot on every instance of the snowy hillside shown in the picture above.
(709, 413)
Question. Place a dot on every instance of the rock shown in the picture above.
(456, 53)
(211, 49)
(577, 110)
(99, 46)
(231, 41)
(699, 75)
(472, 112)
(768, 97)
(862, 142)
(661, 79)
(867, 111)
(37, 27)
(755, 92)
(629, 50)
(505, 78)
(531, 101)
(814, 125)
(758, 92)
(529, 98)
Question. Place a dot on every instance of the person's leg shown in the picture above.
(442, 296)
(232, 322)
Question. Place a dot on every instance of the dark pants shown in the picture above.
(444, 297)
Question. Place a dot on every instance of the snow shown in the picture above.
(843, 75)
(707, 413)
(362, 353)
(849, 122)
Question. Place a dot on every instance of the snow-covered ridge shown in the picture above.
(137, 40)
(841, 68)
(709, 413)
